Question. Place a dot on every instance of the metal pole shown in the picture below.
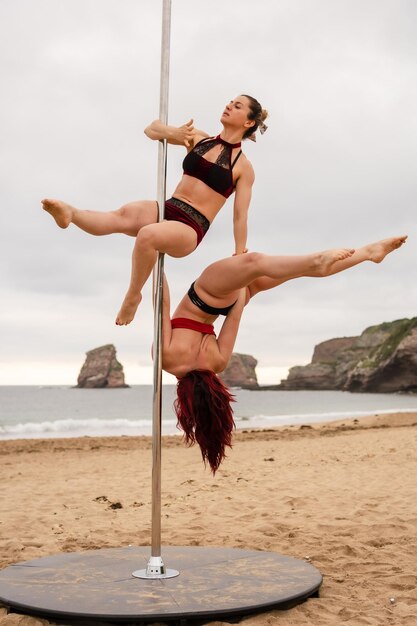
(156, 567)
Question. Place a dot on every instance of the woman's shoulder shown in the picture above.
(210, 356)
(244, 168)
(199, 136)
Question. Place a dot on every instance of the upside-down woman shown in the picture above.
(192, 352)
(214, 168)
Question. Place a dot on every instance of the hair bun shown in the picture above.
(264, 115)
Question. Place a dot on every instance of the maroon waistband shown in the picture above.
(180, 211)
(184, 322)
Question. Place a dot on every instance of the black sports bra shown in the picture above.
(218, 176)
(203, 306)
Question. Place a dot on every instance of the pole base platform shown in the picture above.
(214, 583)
(155, 569)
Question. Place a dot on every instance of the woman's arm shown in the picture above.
(184, 135)
(241, 207)
(228, 333)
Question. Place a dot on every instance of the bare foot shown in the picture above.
(128, 309)
(326, 259)
(379, 250)
(60, 211)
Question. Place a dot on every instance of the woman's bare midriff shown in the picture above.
(189, 310)
(199, 196)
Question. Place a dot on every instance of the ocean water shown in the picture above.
(61, 411)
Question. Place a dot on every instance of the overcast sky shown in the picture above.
(337, 166)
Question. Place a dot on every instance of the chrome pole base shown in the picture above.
(155, 569)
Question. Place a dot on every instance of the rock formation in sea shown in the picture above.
(101, 369)
(382, 359)
(240, 372)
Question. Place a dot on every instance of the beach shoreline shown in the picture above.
(341, 493)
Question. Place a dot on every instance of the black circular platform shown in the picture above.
(213, 583)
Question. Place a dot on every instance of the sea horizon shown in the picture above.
(45, 411)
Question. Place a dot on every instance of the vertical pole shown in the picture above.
(156, 567)
(157, 348)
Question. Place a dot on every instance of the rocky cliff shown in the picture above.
(382, 359)
(101, 369)
(241, 372)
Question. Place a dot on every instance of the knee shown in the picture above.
(127, 212)
(123, 211)
(252, 259)
(126, 220)
(147, 236)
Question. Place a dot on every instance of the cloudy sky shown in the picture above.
(337, 167)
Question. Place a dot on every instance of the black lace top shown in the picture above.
(218, 176)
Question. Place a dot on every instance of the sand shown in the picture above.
(342, 494)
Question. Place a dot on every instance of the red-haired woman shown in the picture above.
(214, 168)
(192, 352)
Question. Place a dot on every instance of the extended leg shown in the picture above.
(218, 284)
(222, 279)
(129, 219)
(375, 252)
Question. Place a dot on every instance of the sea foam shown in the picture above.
(82, 427)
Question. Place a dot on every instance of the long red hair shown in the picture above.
(204, 414)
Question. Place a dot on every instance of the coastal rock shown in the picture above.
(101, 369)
(329, 351)
(240, 372)
(382, 359)
(312, 376)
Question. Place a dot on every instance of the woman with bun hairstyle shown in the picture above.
(213, 169)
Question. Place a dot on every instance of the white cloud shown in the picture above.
(80, 80)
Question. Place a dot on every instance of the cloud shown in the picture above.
(336, 167)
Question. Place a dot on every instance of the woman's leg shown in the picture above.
(170, 237)
(129, 219)
(138, 219)
(220, 281)
(375, 252)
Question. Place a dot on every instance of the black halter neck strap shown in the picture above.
(226, 143)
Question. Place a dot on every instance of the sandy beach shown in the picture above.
(342, 494)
